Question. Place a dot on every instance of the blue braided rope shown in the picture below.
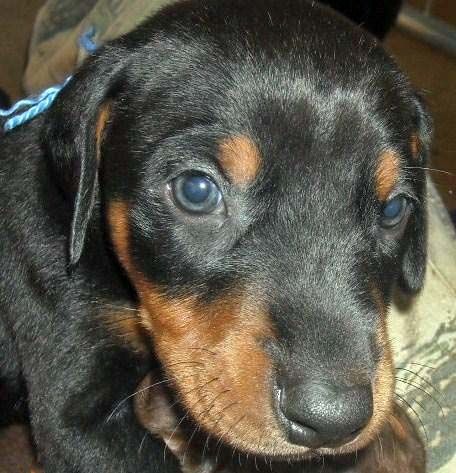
(40, 103)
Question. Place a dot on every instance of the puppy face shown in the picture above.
(259, 170)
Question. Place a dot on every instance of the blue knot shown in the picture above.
(86, 40)
(28, 108)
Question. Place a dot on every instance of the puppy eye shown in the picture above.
(196, 193)
(393, 211)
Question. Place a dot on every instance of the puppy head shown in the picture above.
(259, 167)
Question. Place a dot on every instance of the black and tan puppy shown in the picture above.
(237, 186)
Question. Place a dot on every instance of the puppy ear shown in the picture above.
(414, 260)
(73, 131)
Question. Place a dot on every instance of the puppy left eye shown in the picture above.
(394, 211)
(196, 193)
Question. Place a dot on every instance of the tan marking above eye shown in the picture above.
(387, 174)
(240, 158)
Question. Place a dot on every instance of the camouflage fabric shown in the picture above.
(54, 49)
(423, 331)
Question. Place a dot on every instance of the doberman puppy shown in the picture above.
(233, 189)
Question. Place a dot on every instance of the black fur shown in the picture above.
(321, 100)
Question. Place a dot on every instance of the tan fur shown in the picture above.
(387, 174)
(240, 158)
(103, 117)
(383, 386)
(126, 324)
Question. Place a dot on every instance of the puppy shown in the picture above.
(230, 194)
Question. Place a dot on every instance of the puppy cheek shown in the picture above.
(221, 373)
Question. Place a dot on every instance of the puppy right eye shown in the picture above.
(393, 212)
(196, 193)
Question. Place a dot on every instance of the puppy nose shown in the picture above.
(319, 414)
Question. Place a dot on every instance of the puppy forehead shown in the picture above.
(291, 98)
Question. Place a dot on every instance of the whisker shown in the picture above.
(424, 366)
(260, 440)
(423, 379)
(219, 442)
(120, 307)
(189, 441)
(206, 444)
(419, 404)
(142, 442)
(187, 413)
(416, 386)
(202, 349)
(322, 464)
(199, 386)
(123, 401)
(393, 437)
(173, 432)
(380, 453)
(400, 398)
(431, 170)
(233, 452)
(185, 363)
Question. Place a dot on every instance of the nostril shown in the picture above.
(317, 414)
(356, 432)
(297, 433)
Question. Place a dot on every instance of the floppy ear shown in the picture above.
(414, 260)
(73, 131)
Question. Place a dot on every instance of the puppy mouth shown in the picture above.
(159, 411)
(161, 414)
